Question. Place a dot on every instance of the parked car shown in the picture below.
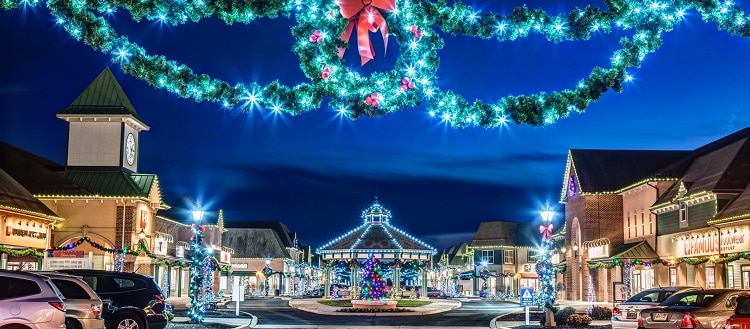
(131, 300)
(434, 293)
(625, 314)
(29, 300)
(83, 306)
(695, 309)
(741, 317)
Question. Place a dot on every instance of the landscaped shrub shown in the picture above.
(600, 313)
(561, 316)
(579, 320)
(373, 310)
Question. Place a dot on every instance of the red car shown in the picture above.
(741, 316)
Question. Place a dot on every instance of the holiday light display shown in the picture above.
(627, 279)
(197, 306)
(372, 286)
(119, 262)
(544, 268)
(322, 27)
(546, 273)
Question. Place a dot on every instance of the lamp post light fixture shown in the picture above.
(197, 259)
(544, 267)
(142, 234)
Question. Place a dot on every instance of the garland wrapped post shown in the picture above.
(197, 306)
(266, 273)
(544, 268)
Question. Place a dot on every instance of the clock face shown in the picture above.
(130, 149)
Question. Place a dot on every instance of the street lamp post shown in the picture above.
(196, 278)
(544, 267)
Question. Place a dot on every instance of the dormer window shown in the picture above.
(683, 215)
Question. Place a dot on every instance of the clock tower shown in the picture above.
(103, 128)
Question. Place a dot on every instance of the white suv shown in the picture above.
(30, 300)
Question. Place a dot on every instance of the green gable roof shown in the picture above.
(104, 96)
(112, 183)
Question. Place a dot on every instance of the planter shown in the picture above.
(374, 304)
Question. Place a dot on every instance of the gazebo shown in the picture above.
(378, 238)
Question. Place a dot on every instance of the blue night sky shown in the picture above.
(317, 171)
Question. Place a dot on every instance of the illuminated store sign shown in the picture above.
(706, 242)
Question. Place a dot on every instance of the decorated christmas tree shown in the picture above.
(372, 286)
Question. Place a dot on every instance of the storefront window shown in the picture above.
(745, 277)
(672, 276)
(636, 282)
(730, 276)
(648, 278)
(710, 278)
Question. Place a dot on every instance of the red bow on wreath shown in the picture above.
(546, 231)
(369, 20)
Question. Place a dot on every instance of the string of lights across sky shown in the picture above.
(323, 29)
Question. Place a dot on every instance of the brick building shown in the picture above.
(594, 216)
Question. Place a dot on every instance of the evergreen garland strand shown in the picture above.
(412, 82)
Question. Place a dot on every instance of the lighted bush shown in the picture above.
(579, 320)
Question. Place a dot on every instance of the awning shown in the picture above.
(638, 250)
(529, 275)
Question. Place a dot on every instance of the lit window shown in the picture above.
(488, 256)
(509, 257)
(628, 226)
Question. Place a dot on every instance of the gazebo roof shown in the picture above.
(376, 235)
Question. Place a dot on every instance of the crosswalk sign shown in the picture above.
(527, 297)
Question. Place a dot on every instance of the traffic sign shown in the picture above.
(527, 297)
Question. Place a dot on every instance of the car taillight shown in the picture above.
(159, 297)
(58, 305)
(728, 324)
(616, 311)
(640, 320)
(688, 321)
(96, 309)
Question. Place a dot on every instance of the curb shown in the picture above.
(333, 311)
(253, 321)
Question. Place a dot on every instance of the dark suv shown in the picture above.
(131, 300)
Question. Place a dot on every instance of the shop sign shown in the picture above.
(528, 268)
(699, 245)
(239, 266)
(24, 233)
(160, 246)
(67, 263)
(735, 239)
(67, 253)
(599, 251)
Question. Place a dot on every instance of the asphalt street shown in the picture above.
(275, 312)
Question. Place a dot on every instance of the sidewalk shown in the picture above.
(580, 307)
(180, 303)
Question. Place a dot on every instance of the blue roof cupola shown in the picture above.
(376, 214)
(376, 236)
